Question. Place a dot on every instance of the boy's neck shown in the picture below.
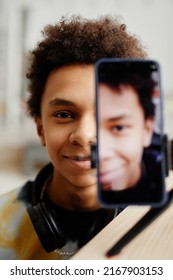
(72, 197)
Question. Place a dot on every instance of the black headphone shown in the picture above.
(46, 225)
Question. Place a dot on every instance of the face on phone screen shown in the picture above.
(129, 132)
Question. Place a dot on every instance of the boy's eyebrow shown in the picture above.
(60, 101)
(120, 117)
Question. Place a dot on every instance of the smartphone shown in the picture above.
(130, 138)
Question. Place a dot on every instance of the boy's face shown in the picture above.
(67, 124)
(124, 132)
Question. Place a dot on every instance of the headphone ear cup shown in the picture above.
(44, 224)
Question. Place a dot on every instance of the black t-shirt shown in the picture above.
(80, 226)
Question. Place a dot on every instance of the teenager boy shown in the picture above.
(126, 121)
(57, 213)
(129, 167)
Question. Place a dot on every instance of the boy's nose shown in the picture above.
(105, 147)
(84, 133)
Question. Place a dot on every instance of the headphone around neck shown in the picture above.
(48, 228)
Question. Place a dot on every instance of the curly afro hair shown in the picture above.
(77, 41)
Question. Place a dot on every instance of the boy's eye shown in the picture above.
(119, 128)
(64, 115)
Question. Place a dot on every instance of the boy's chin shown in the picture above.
(84, 182)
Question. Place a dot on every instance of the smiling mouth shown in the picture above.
(78, 158)
(82, 162)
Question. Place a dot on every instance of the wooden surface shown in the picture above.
(154, 242)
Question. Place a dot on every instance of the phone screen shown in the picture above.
(129, 114)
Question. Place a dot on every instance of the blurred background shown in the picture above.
(21, 22)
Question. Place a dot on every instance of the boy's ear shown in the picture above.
(148, 132)
(40, 130)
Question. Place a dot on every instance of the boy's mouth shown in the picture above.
(82, 162)
(78, 158)
(107, 177)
